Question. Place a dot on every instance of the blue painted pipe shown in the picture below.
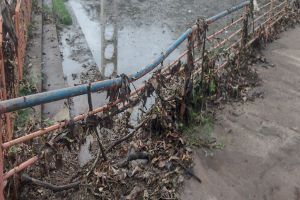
(163, 56)
(55, 95)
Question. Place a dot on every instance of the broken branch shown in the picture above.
(55, 188)
(126, 137)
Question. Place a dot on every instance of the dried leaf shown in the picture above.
(135, 193)
(162, 164)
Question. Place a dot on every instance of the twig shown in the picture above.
(126, 137)
(113, 145)
(94, 163)
(189, 172)
(55, 188)
(100, 144)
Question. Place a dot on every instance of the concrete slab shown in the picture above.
(53, 76)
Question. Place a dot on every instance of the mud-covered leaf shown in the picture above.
(136, 193)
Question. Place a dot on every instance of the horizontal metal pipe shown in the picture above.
(228, 38)
(265, 22)
(224, 29)
(164, 55)
(234, 44)
(261, 16)
(62, 124)
(267, 4)
(21, 167)
(56, 126)
(55, 95)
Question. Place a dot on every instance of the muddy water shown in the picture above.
(145, 29)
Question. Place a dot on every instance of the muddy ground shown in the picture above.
(261, 156)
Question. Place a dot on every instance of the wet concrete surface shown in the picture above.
(52, 72)
(261, 157)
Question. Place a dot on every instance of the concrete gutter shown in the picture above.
(52, 71)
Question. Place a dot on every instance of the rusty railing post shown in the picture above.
(89, 95)
(2, 185)
(270, 20)
(244, 37)
(2, 117)
(187, 77)
(203, 54)
(18, 34)
(287, 7)
(92, 127)
(271, 13)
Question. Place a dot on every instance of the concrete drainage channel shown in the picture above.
(52, 71)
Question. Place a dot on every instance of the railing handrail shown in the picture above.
(68, 92)
(83, 89)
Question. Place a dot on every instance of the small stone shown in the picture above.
(188, 149)
(180, 179)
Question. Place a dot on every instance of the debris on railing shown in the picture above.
(148, 160)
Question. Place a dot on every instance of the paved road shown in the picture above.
(261, 159)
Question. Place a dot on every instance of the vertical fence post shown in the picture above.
(287, 6)
(1, 163)
(3, 118)
(188, 68)
(270, 20)
(18, 34)
(271, 14)
(244, 36)
(203, 55)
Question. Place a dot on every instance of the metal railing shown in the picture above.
(59, 94)
(12, 54)
(244, 37)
